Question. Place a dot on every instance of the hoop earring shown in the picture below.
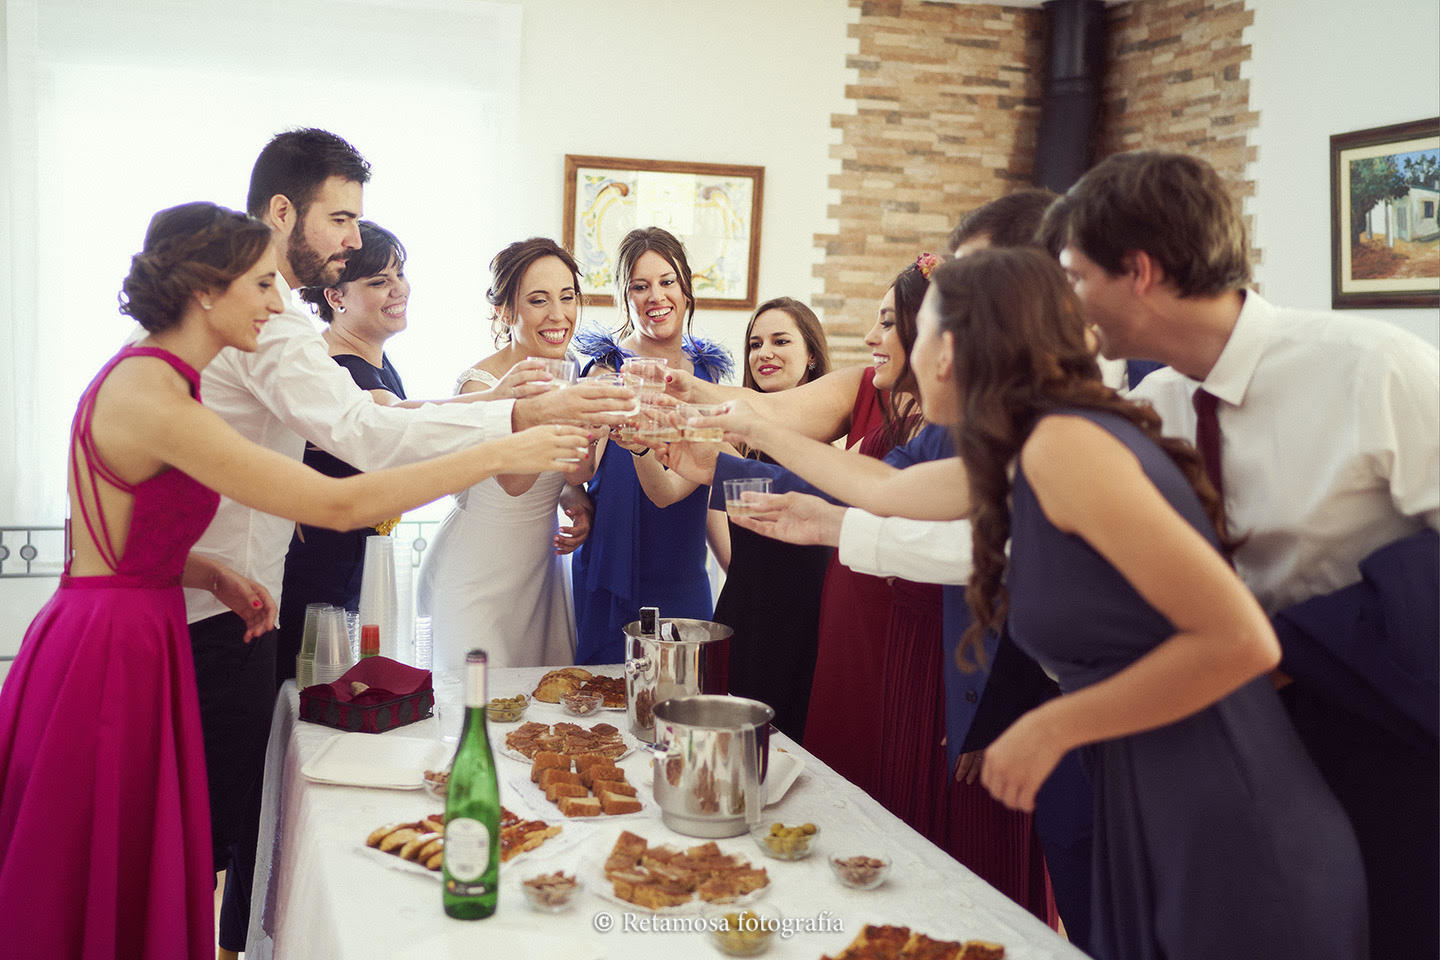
(340, 309)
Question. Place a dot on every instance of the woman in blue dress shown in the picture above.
(1214, 834)
(647, 542)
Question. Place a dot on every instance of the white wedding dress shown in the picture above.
(491, 578)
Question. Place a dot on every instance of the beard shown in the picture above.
(311, 268)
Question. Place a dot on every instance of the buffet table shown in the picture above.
(319, 893)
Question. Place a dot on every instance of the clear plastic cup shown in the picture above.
(689, 411)
(735, 491)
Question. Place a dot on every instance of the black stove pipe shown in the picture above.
(1070, 105)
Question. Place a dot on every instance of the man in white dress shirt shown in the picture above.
(307, 185)
(1328, 449)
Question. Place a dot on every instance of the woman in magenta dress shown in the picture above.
(104, 819)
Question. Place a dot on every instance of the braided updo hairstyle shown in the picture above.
(193, 247)
(508, 269)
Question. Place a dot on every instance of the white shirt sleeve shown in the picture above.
(1401, 429)
(293, 376)
(926, 551)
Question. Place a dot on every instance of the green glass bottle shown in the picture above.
(472, 810)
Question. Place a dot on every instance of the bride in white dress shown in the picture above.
(495, 576)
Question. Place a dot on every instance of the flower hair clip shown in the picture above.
(925, 263)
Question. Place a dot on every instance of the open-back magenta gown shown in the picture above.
(104, 818)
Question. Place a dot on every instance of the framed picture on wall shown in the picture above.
(1384, 230)
(713, 208)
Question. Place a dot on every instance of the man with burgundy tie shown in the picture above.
(1322, 433)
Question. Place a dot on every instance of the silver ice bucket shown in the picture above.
(711, 755)
(682, 661)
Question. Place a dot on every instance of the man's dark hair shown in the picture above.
(295, 163)
(1173, 207)
(1011, 221)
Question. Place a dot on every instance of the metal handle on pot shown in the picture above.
(754, 801)
(636, 666)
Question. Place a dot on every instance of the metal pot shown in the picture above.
(711, 756)
(682, 661)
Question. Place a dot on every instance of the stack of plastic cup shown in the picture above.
(402, 643)
(305, 662)
(379, 600)
(332, 646)
(424, 649)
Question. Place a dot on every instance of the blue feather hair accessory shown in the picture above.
(711, 360)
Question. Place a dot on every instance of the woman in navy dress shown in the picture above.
(362, 310)
(1214, 834)
(647, 542)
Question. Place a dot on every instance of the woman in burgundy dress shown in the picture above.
(104, 818)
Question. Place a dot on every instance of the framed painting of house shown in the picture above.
(713, 208)
(1384, 231)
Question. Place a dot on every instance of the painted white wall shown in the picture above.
(749, 82)
(1319, 68)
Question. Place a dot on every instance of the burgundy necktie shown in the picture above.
(1207, 436)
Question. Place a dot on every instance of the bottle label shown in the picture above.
(467, 850)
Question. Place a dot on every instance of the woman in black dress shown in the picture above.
(771, 597)
(363, 310)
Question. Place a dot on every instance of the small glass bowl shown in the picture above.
(548, 898)
(582, 704)
(437, 783)
(860, 871)
(787, 845)
(758, 923)
(507, 709)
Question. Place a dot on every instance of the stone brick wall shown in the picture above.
(947, 102)
(1173, 83)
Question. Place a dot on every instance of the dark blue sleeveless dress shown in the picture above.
(1214, 835)
(638, 554)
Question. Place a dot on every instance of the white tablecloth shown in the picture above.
(318, 894)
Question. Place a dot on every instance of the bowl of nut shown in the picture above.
(861, 871)
(507, 709)
(744, 932)
(437, 783)
(550, 892)
(785, 842)
(582, 704)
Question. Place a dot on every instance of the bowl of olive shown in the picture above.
(506, 709)
(783, 842)
(742, 931)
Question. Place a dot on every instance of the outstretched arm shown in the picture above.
(819, 409)
(149, 420)
(925, 491)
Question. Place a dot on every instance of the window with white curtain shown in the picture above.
(114, 111)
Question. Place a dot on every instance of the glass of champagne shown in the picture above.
(735, 490)
(561, 372)
(695, 434)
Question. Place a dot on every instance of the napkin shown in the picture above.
(387, 680)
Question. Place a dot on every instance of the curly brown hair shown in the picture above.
(188, 248)
(1022, 354)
